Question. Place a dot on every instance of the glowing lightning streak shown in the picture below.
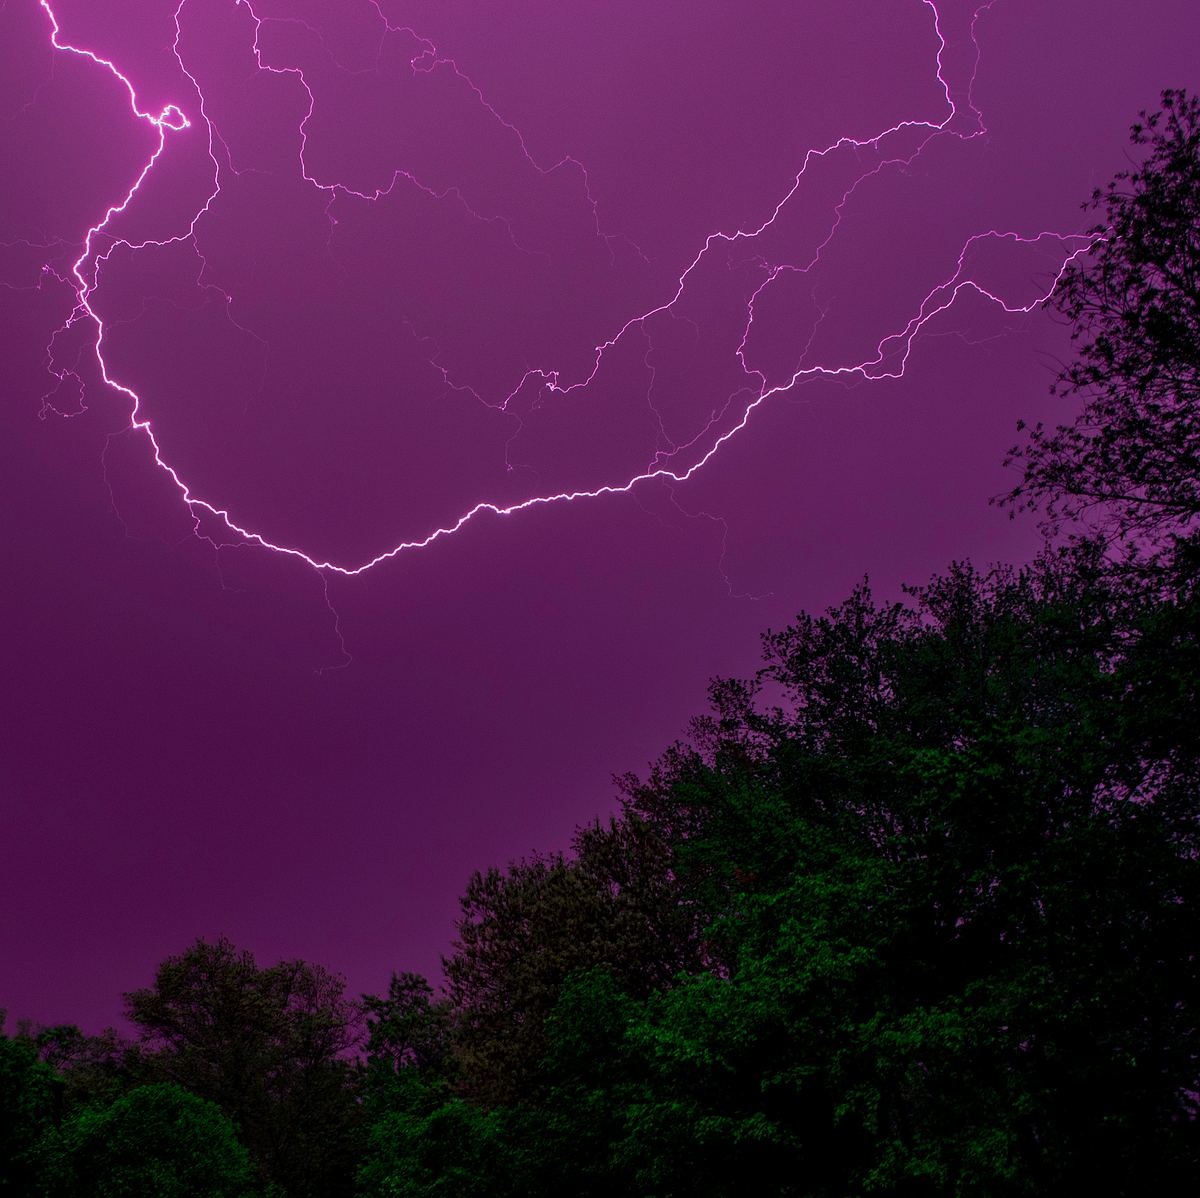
(896, 346)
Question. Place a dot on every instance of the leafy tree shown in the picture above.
(270, 1047)
(92, 1069)
(955, 903)
(409, 1027)
(156, 1140)
(932, 879)
(592, 1082)
(28, 1107)
(409, 1043)
(523, 932)
(1131, 458)
(556, 1139)
(453, 1149)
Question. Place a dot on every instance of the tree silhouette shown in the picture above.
(1130, 461)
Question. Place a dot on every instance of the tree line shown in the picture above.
(912, 910)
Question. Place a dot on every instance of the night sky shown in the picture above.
(738, 266)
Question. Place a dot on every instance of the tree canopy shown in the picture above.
(270, 1047)
(157, 1139)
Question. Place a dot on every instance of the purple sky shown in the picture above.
(387, 314)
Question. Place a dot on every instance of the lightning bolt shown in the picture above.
(893, 148)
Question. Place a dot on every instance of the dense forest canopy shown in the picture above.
(913, 911)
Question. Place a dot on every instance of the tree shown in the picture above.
(913, 912)
(453, 1149)
(409, 1067)
(92, 1069)
(556, 1140)
(613, 903)
(158, 1140)
(933, 877)
(1131, 458)
(952, 886)
(409, 1027)
(270, 1047)
(28, 1108)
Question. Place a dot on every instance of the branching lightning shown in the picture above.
(893, 148)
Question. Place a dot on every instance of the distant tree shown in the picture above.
(92, 1069)
(1130, 461)
(409, 1064)
(156, 1140)
(270, 1046)
(409, 1027)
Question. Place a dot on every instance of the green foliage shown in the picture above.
(946, 874)
(409, 1037)
(555, 1139)
(28, 1105)
(964, 944)
(524, 931)
(453, 1150)
(408, 1028)
(270, 1047)
(91, 1069)
(156, 1140)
